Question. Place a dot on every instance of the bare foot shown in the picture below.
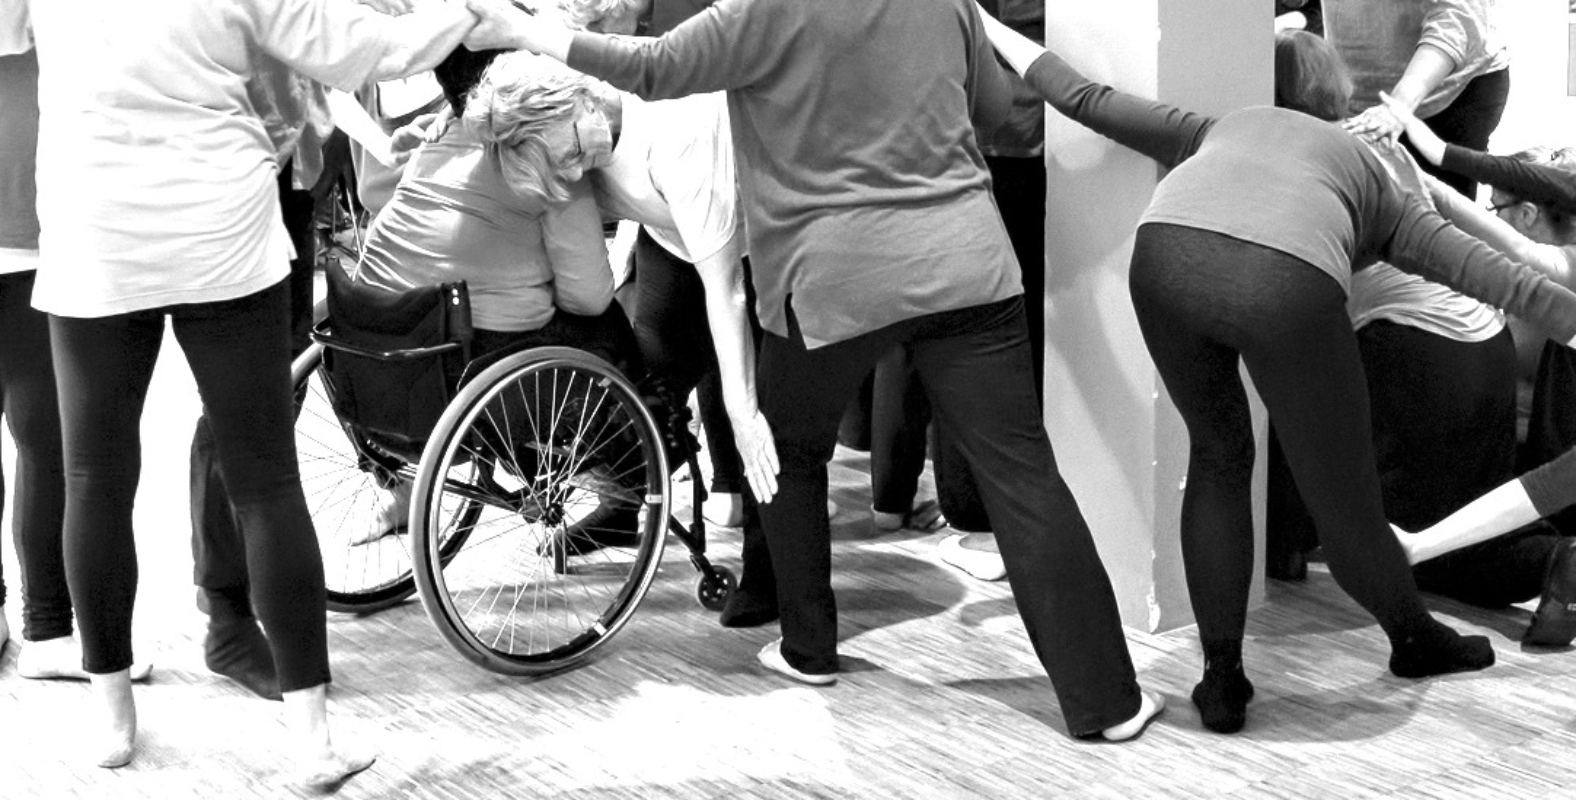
(321, 764)
(327, 773)
(116, 737)
(1150, 706)
(61, 658)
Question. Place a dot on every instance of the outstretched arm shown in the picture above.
(1425, 244)
(1479, 222)
(1504, 509)
(722, 274)
(1164, 133)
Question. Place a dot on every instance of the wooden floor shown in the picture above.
(940, 697)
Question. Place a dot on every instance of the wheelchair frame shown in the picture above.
(493, 551)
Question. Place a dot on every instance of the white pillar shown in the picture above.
(1119, 441)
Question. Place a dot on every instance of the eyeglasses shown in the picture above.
(1493, 208)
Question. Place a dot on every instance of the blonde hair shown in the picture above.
(520, 98)
(580, 13)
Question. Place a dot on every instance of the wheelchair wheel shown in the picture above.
(344, 481)
(572, 476)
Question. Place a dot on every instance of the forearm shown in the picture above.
(1535, 182)
(1428, 68)
(1552, 487)
(1480, 223)
(1504, 509)
(1165, 133)
(1423, 243)
(350, 117)
(1016, 49)
(728, 319)
(421, 39)
(727, 46)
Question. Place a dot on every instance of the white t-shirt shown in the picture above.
(673, 172)
(156, 180)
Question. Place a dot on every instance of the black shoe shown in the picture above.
(1222, 699)
(1554, 624)
(1289, 564)
(238, 650)
(1439, 651)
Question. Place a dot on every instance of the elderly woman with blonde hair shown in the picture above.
(668, 166)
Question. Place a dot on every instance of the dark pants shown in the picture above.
(27, 398)
(974, 365)
(1444, 415)
(218, 554)
(1469, 121)
(606, 336)
(900, 413)
(1444, 430)
(239, 353)
(1207, 303)
(673, 328)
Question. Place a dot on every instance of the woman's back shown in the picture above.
(454, 217)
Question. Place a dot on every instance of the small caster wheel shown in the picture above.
(714, 588)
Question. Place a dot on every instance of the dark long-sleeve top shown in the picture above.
(1552, 486)
(1539, 183)
(866, 199)
(1249, 174)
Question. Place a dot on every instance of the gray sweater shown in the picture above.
(867, 201)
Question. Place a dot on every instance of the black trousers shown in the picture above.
(973, 363)
(239, 353)
(673, 329)
(1468, 121)
(27, 398)
(1208, 303)
(899, 411)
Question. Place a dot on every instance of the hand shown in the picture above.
(1422, 137)
(757, 448)
(503, 24)
(393, 8)
(1378, 125)
(405, 139)
(496, 25)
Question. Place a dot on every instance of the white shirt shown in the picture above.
(156, 180)
(673, 172)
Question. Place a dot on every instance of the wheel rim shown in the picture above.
(549, 442)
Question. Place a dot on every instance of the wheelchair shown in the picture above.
(506, 458)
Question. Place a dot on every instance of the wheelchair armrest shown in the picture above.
(323, 333)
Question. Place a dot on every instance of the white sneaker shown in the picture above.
(981, 564)
(771, 657)
(387, 515)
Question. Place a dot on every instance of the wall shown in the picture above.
(1120, 443)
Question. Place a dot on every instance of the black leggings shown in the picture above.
(27, 398)
(674, 332)
(239, 353)
(1206, 302)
